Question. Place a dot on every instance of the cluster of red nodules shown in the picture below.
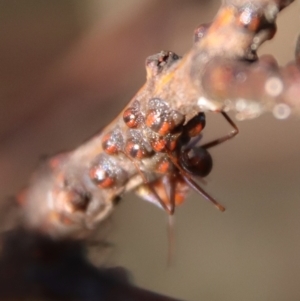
(157, 132)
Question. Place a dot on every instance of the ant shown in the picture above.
(184, 162)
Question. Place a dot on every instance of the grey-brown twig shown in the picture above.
(72, 192)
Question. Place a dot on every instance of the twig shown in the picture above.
(220, 72)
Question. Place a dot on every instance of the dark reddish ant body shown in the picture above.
(190, 159)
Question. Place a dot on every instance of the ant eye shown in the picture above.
(196, 161)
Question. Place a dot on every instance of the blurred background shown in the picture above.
(63, 64)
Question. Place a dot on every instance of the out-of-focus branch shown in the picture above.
(251, 89)
(35, 267)
(220, 72)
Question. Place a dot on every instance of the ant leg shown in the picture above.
(205, 195)
(159, 192)
(160, 201)
(194, 142)
(187, 177)
(170, 211)
(145, 180)
(225, 138)
(169, 187)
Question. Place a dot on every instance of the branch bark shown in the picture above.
(221, 72)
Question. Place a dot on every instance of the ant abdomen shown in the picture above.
(196, 161)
